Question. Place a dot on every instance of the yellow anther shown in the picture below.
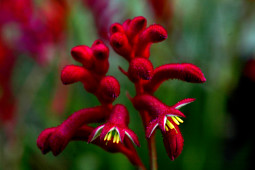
(166, 128)
(105, 136)
(175, 121)
(109, 136)
(169, 124)
(115, 137)
(118, 139)
(179, 119)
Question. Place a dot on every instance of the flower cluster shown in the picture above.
(92, 74)
(131, 40)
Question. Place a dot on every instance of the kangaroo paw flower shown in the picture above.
(56, 139)
(116, 127)
(84, 55)
(161, 113)
(109, 90)
(153, 34)
(173, 142)
(185, 72)
(140, 68)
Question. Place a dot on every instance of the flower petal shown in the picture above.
(173, 142)
(140, 68)
(132, 136)
(185, 72)
(72, 73)
(83, 54)
(183, 103)
(151, 127)
(95, 133)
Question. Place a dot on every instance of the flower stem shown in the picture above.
(153, 153)
(151, 141)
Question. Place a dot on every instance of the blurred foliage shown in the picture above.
(216, 35)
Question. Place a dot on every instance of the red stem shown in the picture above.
(146, 120)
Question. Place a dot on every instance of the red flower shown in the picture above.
(116, 127)
(165, 117)
(173, 142)
(131, 40)
(92, 73)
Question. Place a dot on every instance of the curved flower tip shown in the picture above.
(140, 68)
(116, 27)
(135, 26)
(183, 102)
(155, 33)
(116, 128)
(120, 44)
(84, 55)
(185, 72)
(109, 89)
(72, 73)
(100, 50)
(173, 142)
(165, 117)
(42, 140)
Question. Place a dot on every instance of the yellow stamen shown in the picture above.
(175, 121)
(105, 136)
(115, 137)
(109, 136)
(169, 124)
(166, 128)
(118, 139)
(179, 119)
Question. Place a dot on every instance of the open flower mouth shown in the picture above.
(114, 135)
(170, 125)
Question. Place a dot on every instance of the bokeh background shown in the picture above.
(216, 35)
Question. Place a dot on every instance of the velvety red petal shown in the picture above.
(95, 133)
(153, 34)
(136, 25)
(151, 104)
(173, 142)
(120, 44)
(42, 140)
(109, 90)
(186, 72)
(140, 68)
(72, 73)
(151, 128)
(116, 27)
(183, 103)
(84, 55)
(100, 50)
(133, 137)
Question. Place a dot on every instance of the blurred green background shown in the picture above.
(216, 35)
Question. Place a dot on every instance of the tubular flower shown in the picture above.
(56, 139)
(132, 39)
(185, 72)
(92, 74)
(173, 142)
(165, 117)
(93, 71)
(116, 127)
